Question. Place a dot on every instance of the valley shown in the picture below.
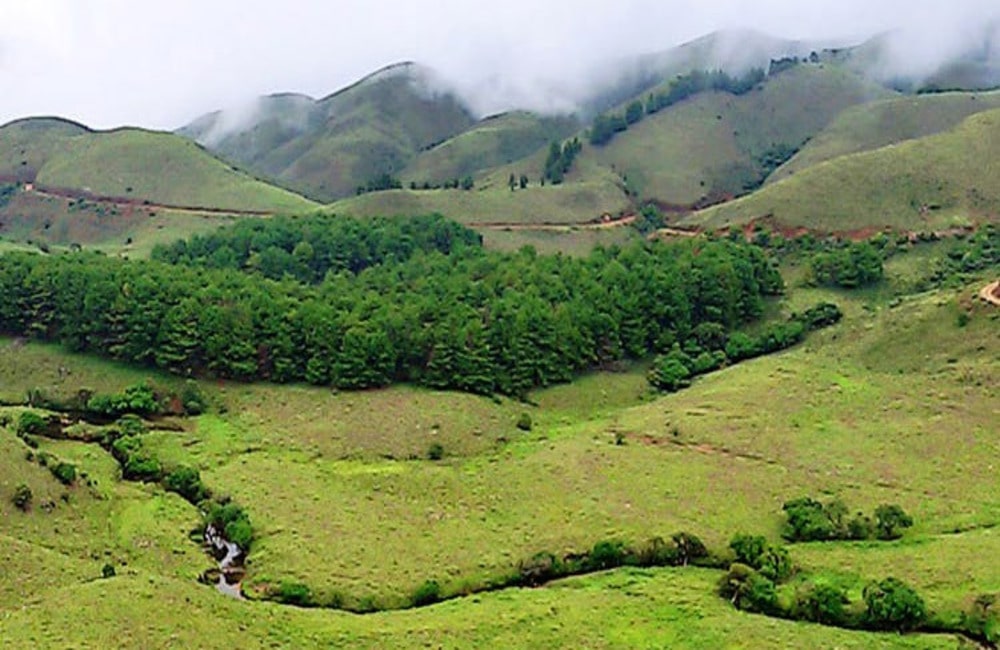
(725, 377)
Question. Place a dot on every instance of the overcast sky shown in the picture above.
(160, 63)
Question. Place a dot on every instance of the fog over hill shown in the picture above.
(159, 65)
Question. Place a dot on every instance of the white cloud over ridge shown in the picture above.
(159, 64)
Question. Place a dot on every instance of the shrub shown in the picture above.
(427, 594)
(824, 604)
(541, 568)
(193, 399)
(657, 552)
(806, 520)
(524, 422)
(748, 590)
(689, 548)
(30, 423)
(890, 520)
(293, 593)
(893, 605)
(186, 481)
(435, 451)
(22, 497)
(234, 523)
(108, 571)
(606, 555)
(65, 473)
(773, 562)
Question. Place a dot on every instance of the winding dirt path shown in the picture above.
(991, 293)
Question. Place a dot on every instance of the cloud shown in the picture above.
(161, 63)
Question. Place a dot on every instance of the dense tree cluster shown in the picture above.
(851, 266)
(307, 248)
(710, 347)
(809, 520)
(607, 125)
(471, 320)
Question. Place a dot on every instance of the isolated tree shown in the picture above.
(512, 182)
(523, 181)
(824, 604)
(890, 520)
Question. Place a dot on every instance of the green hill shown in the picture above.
(26, 145)
(878, 124)
(495, 141)
(715, 145)
(161, 168)
(327, 148)
(930, 183)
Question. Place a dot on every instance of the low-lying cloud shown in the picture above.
(160, 64)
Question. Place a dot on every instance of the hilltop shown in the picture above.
(326, 148)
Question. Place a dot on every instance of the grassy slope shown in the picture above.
(707, 145)
(161, 168)
(876, 125)
(338, 143)
(496, 141)
(860, 416)
(934, 182)
(25, 145)
(625, 609)
(572, 202)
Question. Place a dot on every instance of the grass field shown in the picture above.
(896, 404)
(879, 124)
(932, 183)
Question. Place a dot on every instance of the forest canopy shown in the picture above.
(367, 303)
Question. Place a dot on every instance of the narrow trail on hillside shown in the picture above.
(125, 202)
(991, 293)
(553, 227)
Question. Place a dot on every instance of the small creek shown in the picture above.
(229, 575)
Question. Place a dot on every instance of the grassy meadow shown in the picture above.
(897, 404)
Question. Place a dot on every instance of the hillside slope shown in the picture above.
(327, 148)
(160, 168)
(878, 124)
(716, 145)
(934, 182)
(26, 145)
(494, 141)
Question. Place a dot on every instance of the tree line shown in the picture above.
(607, 125)
(465, 319)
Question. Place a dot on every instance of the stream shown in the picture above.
(229, 575)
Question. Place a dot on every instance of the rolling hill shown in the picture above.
(878, 124)
(714, 145)
(930, 183)
(327, 148)
(494, 141)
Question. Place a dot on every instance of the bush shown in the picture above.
(749, 591)
(186, 481)
(22, 497)
(293, 593)
(689, 548)
(65, 473)
(893, 605)
(541, 568)
(234, 523)
(193, 399)
(108, 571)
(606, 555)
(824, 604)
(524, 422)
(773, 562)
(137, 399)
(427, 594)
(890, 520)
(435, 451)
(30, 423)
